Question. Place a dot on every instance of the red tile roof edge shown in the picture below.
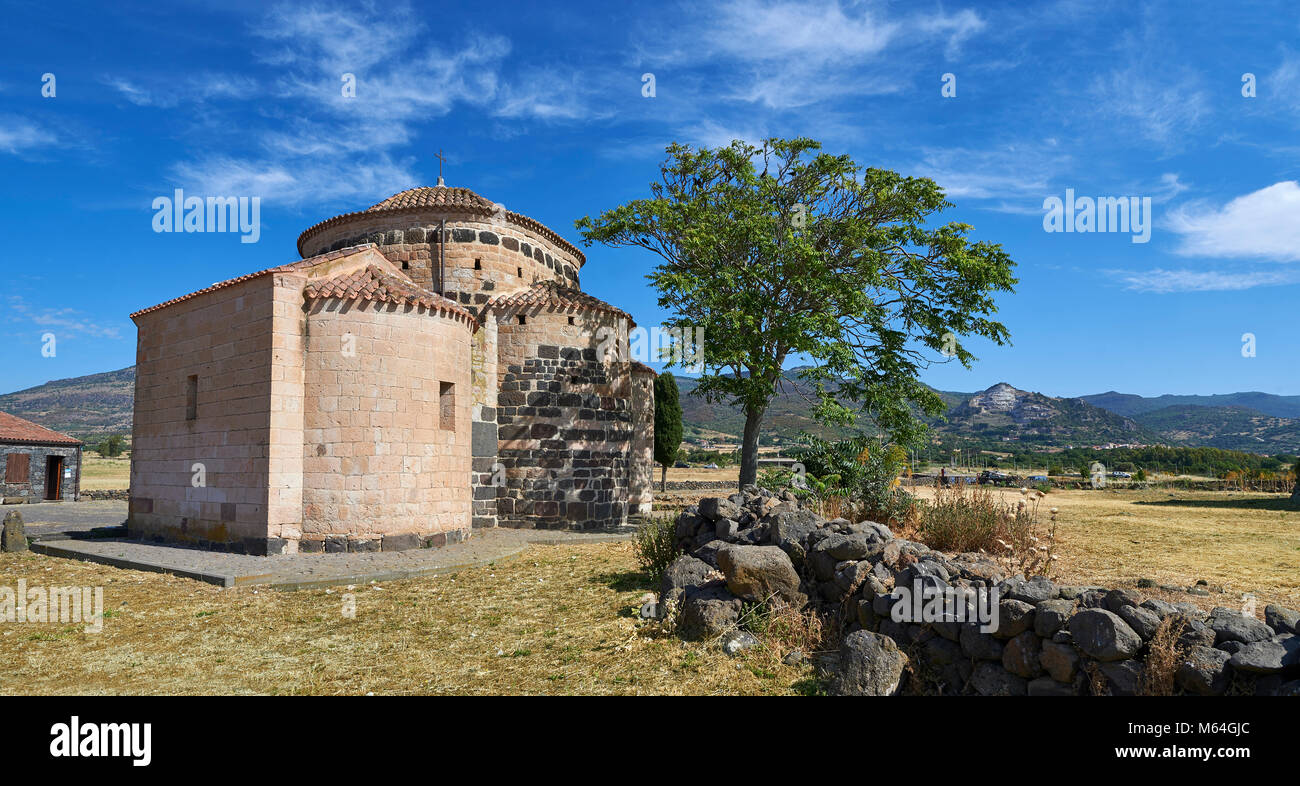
(19, 431)
(298, 265)
(414, 294)
(554, 293)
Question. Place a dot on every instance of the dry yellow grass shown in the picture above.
(557, 620)
(1244, 542)
(99, 473)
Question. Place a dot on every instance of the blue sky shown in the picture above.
(540, 107)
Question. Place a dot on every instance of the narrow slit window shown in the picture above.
(447, 406)
(521, 272)
(523, 320)
(478, 264)
(570, 320)
(192, 397)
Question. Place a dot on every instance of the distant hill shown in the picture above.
(1000, 414)
(87, 408)
(1230, 428)
(92, 406)
(1130, 405)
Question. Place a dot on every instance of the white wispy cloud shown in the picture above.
(1263, 224)
(1010, 172)
(62, 322)
(18, 134)
(1162, 282)
(171, 91)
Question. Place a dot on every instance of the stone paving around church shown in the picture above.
(59, 531)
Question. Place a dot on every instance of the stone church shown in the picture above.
(429, 366)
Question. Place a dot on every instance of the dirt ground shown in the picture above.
(560, 619)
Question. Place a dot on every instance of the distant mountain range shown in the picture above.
(99, 404)
(1005, 415)
(1130, 405)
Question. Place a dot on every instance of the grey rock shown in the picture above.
(1061, 661)
(1021, 655)
(1143, 621)
(1268, 657)
(943, 665)
(726, 529)
(870, 665)
(990, 679)
(851, 547)
(1052, 615)
(708, 612)
(684, 572)
(1230, 647)
(1230, 625)
(1282, 620)
(1046, 686)
(1203, 671)
(1195, 634)
(1033, 591)
(1123, 677)
(1116, 599)
(1161, 608)
(1014, 618)
(715, 508)
(789, 530)
(981, 646)
(757, 573)
(738, 641)
(709, 552)
(1104, 635)
(13, 538)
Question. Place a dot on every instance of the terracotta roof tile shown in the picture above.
(553, 294)
(432, 197)
(292, 266)
(374, 284)
(15, 429)
(641, 368)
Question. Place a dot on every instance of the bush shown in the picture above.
(969, 518)
(655, 544)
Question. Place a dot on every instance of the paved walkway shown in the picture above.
(63, 535)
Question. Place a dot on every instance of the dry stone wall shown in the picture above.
(996, 635)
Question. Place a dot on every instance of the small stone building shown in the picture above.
(37, 464)
(429, 366)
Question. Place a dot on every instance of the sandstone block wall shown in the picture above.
(210, 357)
(386, 448)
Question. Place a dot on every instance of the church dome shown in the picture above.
(432, 196)
(424, 204)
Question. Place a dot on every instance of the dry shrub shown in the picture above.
(965, 518)
(655, 545)
(1163, 658)
(785, 629)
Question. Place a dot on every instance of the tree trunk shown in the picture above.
(1295, 493)
(663, 477)
(749, 447)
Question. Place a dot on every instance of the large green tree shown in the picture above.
(668, 424)
(782, 252)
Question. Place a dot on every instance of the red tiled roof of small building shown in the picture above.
(15, 429)
(289, 268)
(374, 284)
(641, 368)
(451, 199)
(552, 294)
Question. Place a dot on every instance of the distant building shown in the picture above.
(37, 464)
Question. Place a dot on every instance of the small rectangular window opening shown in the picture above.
(192, 397)
(447, 406)
(523, 320)
(478, 264)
